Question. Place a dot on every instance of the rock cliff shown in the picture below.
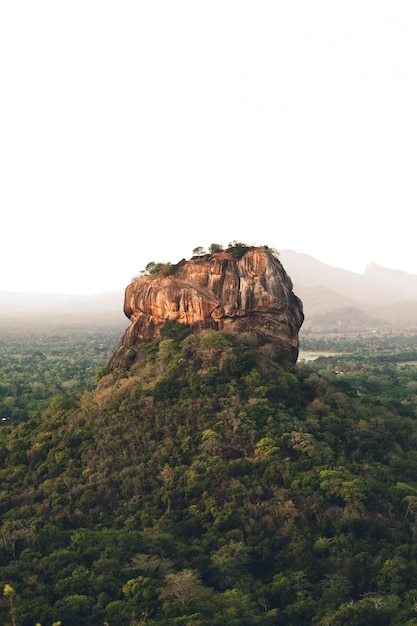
(252, 294)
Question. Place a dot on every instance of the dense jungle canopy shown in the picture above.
(206, 485)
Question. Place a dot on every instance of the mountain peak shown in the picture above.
(375, 270)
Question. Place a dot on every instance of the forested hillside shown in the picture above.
(207, 485)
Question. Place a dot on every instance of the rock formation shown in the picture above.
(252, 294)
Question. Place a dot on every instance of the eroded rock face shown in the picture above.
(251, 294)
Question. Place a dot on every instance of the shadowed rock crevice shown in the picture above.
(250, 294)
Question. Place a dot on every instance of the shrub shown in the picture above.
(237, 249)
(199, 251)
(159, 269)
(215, 247)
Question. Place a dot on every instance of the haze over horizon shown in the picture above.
(135, 132)
(296, 257)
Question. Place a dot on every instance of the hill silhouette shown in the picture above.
(383, 299)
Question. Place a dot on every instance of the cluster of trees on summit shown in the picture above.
(208, 485)
(236, 248)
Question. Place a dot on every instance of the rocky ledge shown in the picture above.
(249, 294)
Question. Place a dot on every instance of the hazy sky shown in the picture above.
(134, 131)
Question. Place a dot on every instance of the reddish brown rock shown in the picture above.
(250, 294)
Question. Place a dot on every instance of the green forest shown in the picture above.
(207, 485)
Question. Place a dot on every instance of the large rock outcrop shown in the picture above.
(252, 294)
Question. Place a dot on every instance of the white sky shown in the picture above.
(134, 131)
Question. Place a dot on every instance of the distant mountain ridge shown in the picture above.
(27, 300)
(19, 308)
(336, 299)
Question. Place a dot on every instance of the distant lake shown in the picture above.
(312, 355)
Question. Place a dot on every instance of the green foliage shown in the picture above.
(174, 330)
(40, 362)
(273, 251)
(159, 269)
(237, 249)
(208, 485)
(215, 247)
(199, 251)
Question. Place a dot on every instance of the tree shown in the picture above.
(237, 249)
(185, 587)
(215, 247)
(9, 593)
